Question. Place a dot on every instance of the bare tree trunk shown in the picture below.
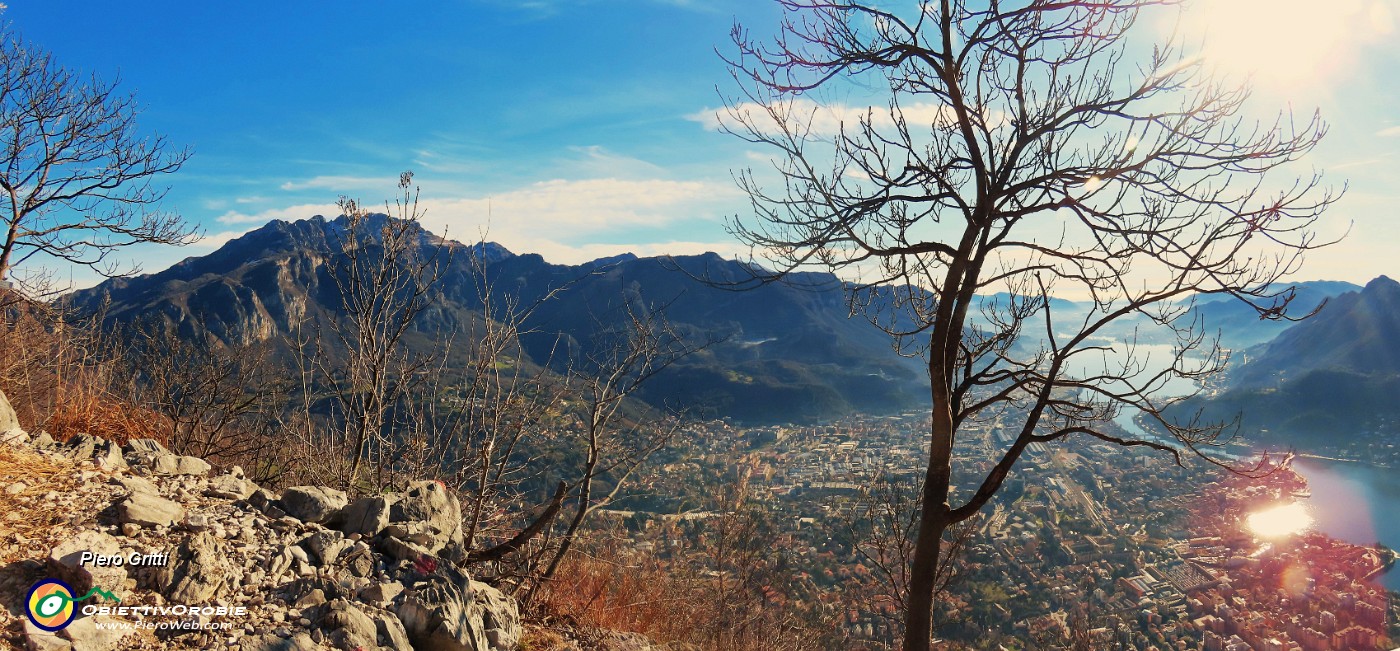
(482, 492)
(585, 495)
(1172, 204)
(514, 544)
(934, 520)
(585, 498)
(919, 625)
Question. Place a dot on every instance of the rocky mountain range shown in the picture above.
(1239, 325)
(778, 352)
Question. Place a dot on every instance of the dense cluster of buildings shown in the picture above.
(1086, 538)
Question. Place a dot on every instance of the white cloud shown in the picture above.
(561, 219)
(562, 208)
(1365, 162)
(562, 253)
(289, 213)
(598, 161)
(823, 119)
(213, 241)
(550, 8)
(1389, 132)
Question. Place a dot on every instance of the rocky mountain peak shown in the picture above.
(255, 288)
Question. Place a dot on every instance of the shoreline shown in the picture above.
(1388, 556)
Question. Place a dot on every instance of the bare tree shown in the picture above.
(76, 174)
(217, 402)
(475, 431)
(1027, 148)
(740, 551)
(384, 269)
(53, 363)
(882, 532)
(624, 358)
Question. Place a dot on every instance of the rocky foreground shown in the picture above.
(200, 559)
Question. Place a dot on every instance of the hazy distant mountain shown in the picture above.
(1333, 373)
(1239, 325)
(1357, 332)
(786, 352)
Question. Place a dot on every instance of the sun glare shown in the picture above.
(1280, 521)
(1290, 43)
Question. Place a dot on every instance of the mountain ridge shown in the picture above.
(1321, 381)
(814, 361)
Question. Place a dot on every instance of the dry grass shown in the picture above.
(635, 596)
(58, 375)
(60, 498)
(678, 596)
(96, 414)
(536, 638)
(34, 519)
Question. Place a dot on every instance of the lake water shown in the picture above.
(1356, 503)
(1350, 501)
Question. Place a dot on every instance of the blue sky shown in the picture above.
(570, 128)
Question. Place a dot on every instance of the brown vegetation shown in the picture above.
(721, 587)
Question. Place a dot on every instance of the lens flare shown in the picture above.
(1280, 521)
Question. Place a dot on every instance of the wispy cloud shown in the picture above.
(212, 241)
(564, 253)
(341, 183)
(572, 221)
(288, 213)
(562, 219)
(596, 161)
(1389, 132)
(547, 8)
(588, 206)
(821, 119)
(441, 162)
(1365, 162)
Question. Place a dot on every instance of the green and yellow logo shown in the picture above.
(50, 603)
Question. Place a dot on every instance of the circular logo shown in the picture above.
(50, 604)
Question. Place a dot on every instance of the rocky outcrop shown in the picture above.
(314, 504)
(450, 612)
(231, 486)
(149, 457)
(311, 569)
(427, 515)
(149, 510)
(197, 572)
(67, 561)
(9, 423)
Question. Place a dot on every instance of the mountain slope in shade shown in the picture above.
(1335, 373)
(786, 352)
(1357, 332)
(1239, 325)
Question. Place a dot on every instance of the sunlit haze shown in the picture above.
(1286, 42)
